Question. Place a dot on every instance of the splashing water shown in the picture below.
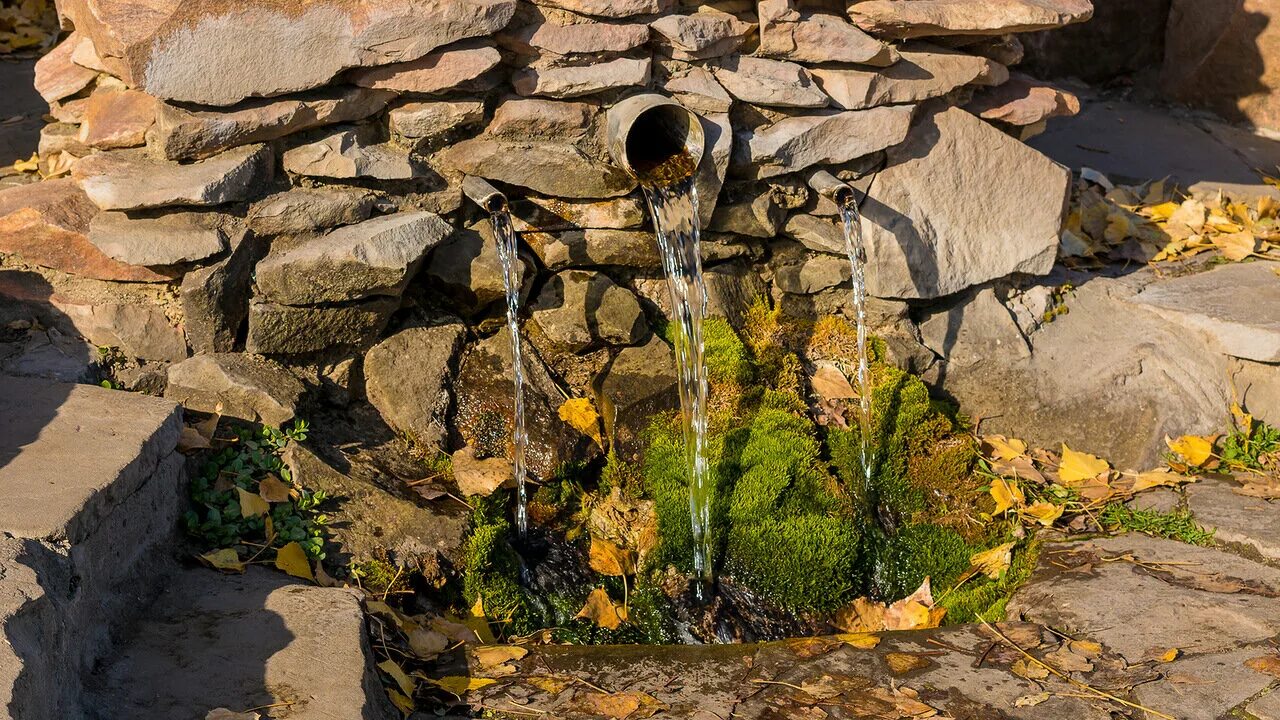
(857, 253)
(674, 208)
(505, 235)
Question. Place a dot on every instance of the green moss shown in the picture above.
(984, 599)
(919, 551)
(726, 356)
(492, 569)
(649, 620)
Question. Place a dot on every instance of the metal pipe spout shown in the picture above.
(480, 192)
(831, 187)
(656, 139)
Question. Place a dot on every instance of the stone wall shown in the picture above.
(251, 201)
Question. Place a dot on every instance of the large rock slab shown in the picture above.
(578, 38)
(132, 180)
(549, 168)
(47, 224)
(183, 133)
(432, 73)
(786, 33)
(117, 118)
(168, 239)
(375, 257)
(1023, 101)
(701, 35)
(960, 203)
(276, 329)
(610, 8)
(236, 385)
(432, 120)
(241, 641)
(407, 378)
(639, 383)
(1236, 305)
(761, 81)
(571, 82)
(595, 247)
(1244, 522)
(796, 143)
(215, 298)
(198, 53)
(467, 269)
(924, 18)
(299, 211)
(577, 310)
(924, 71)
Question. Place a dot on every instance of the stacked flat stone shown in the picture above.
(283, 179)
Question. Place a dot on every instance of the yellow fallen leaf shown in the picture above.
(860, 640)
(1236, 246)
(477, 608)
(1031, 700)
(610, 560)
(831, 384)
(601, 610)
(1002, 448)
(226, 559)
(914, 612)
(993, 562)
(293, 559)
(861, 616)
(25, 166)
(403, 704)
(1043, 512)
(1265, 664)
(580, 414)
(273, 489)
(901, 663)
(1157, 478)
(1170, 655)
(252, 504)
(1196, 450)
(489, 656)
(460, 684)
(405, 682)
(1007, 495)
(1076, 467)
(630, 705)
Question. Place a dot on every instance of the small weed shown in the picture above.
(1249, 450)
(1176, 525)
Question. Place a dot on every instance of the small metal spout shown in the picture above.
(831, 187)
(483, 194)
(655, 138)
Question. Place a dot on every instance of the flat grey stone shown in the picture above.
(168, 239)
(349, 153)
(924, 71)
(1237, 305)
(1238, 520)
(795, 143)
(1204, 686)
(972, 331)
(49, 428)
(578, 310)
(215, 298)
(1266, 707)
(276, 329)
(242, 641)
(1161, 500)
(304, 210)
(407, 378)
(236, 385)
(549, 168)
(1200, 600)
(132, 180)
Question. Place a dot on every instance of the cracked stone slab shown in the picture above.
(1204, 686)
(1237, 520)
(132, 180)
(1136, 594)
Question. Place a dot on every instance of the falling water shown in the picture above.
(674, 207)
(505, 235)
(857, 253)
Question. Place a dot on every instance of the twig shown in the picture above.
(399, 569)
(1084, 686)
(268, 707)
(597, 688)
(778, 682)
(531, 713)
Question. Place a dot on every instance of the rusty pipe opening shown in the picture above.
(831, 187)
(480, 192)
(655, 138)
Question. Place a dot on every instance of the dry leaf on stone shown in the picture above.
(999, 447)
(860, 640)
(1020, 467)
(616, 706)
(427, 644)
(812, 647)
(602, 611)
(226, 559)
(1067, 661)
(1196, 450)
(493, 659)
(402, 702)
(1043, 512)
(1077, 467)
(1236, 246)
(1031, 700)
(1029, 670)
(994, 562)
(191, 440)
(460, 684)
(831, 384)
(610, 560)
(1157, 478)
(1266, 664)
(480, 477)
(903, 663)
(293, 559)
(914, 612)
(1007, 495)
(580, 414)
(863, 615)
(252, 504)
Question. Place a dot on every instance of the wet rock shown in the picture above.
(788, 34)
(407, 378)
(1023, 101)
(697, 89)
(467, 269)
(541, 118)
(215, 298)
(816, 233)
(717, 130)
(131, 180)
(241, 386)
(47, 224)
(973, 331)
(960, 203)
(196, 55)
(1247, 522)
(484, 408)
(579, 38)
(183, 133)
(571, 82)
(117, 119)
(276, 329)
(555, 169)
(423, 120)
(375, 257)
(350, 153)
(925, 71)
(706, 34)
(57, 76)
(922, 18)
(434, 72)
(638, 384)
(1175, 601)
(168, 239)
(304, 210)
(577, 310)
(594, 247)
(534, 213)
(770, 82)
(610, 8)
(1236, 305)
(796, 143)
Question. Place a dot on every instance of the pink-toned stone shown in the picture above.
(1023, 101)
(925, 18)
(117, 119)
(788, 34)
(588, 38)
(924, 71)
(770, 82)
(432, 73)
(702, 35)
(57, 76)
(47, 224)
(541, 118)
(571, 82)
(610, 8)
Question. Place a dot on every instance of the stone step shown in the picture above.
(239, 642)
(90, 490)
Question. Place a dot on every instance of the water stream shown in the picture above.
(857, 253)
(674, 207)
(505, 235)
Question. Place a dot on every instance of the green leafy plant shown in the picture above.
(1248, 449)
(216, 520)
